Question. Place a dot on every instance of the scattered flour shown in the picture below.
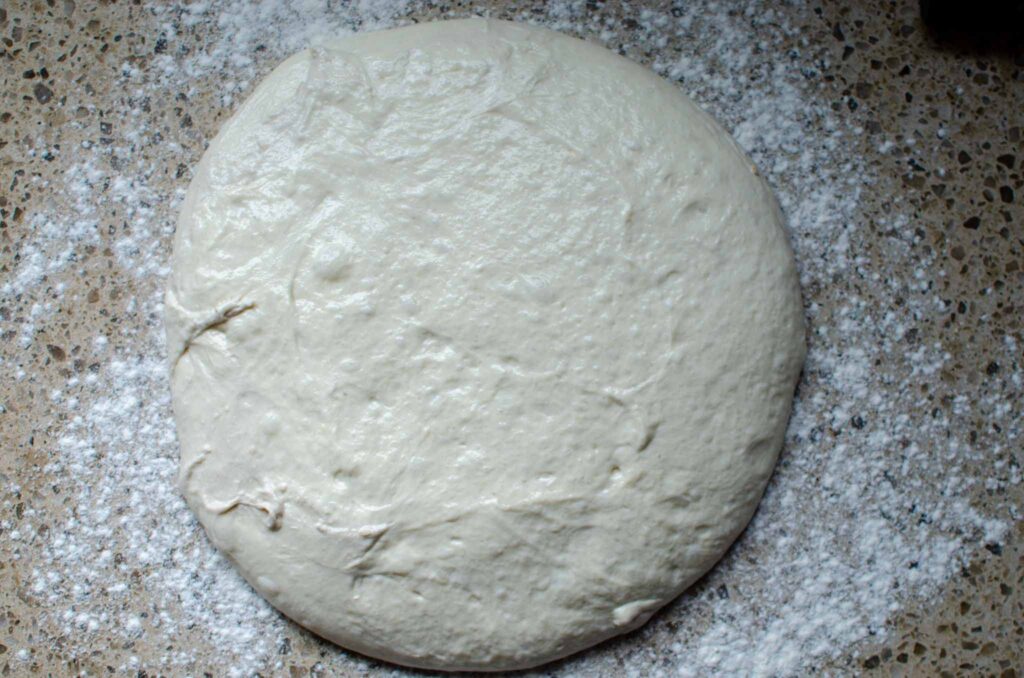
(866, 510)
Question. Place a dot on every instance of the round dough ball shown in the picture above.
(483, 343)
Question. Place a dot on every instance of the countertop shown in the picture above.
(936, 128)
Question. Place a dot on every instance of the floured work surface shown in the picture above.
(887, 535)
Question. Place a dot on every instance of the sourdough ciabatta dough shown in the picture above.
(483, 343)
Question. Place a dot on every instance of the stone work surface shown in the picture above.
(897, 501)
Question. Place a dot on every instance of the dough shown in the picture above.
(483, 343)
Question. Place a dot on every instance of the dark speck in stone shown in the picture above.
(837, 33)
(992, 369)
(963, 157)
(1008, 160)
(994, 549)
(852, 103)
(42, 92)
(1006, 193)
(28, 75)
(905, 70)
(858, 422)
(57, 352)
(973, 223)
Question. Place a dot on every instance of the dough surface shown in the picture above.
(483, 341)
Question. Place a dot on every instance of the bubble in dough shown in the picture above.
(483, 341)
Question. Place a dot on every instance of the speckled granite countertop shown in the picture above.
(940, 133)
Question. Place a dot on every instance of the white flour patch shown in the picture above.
(866, 511)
